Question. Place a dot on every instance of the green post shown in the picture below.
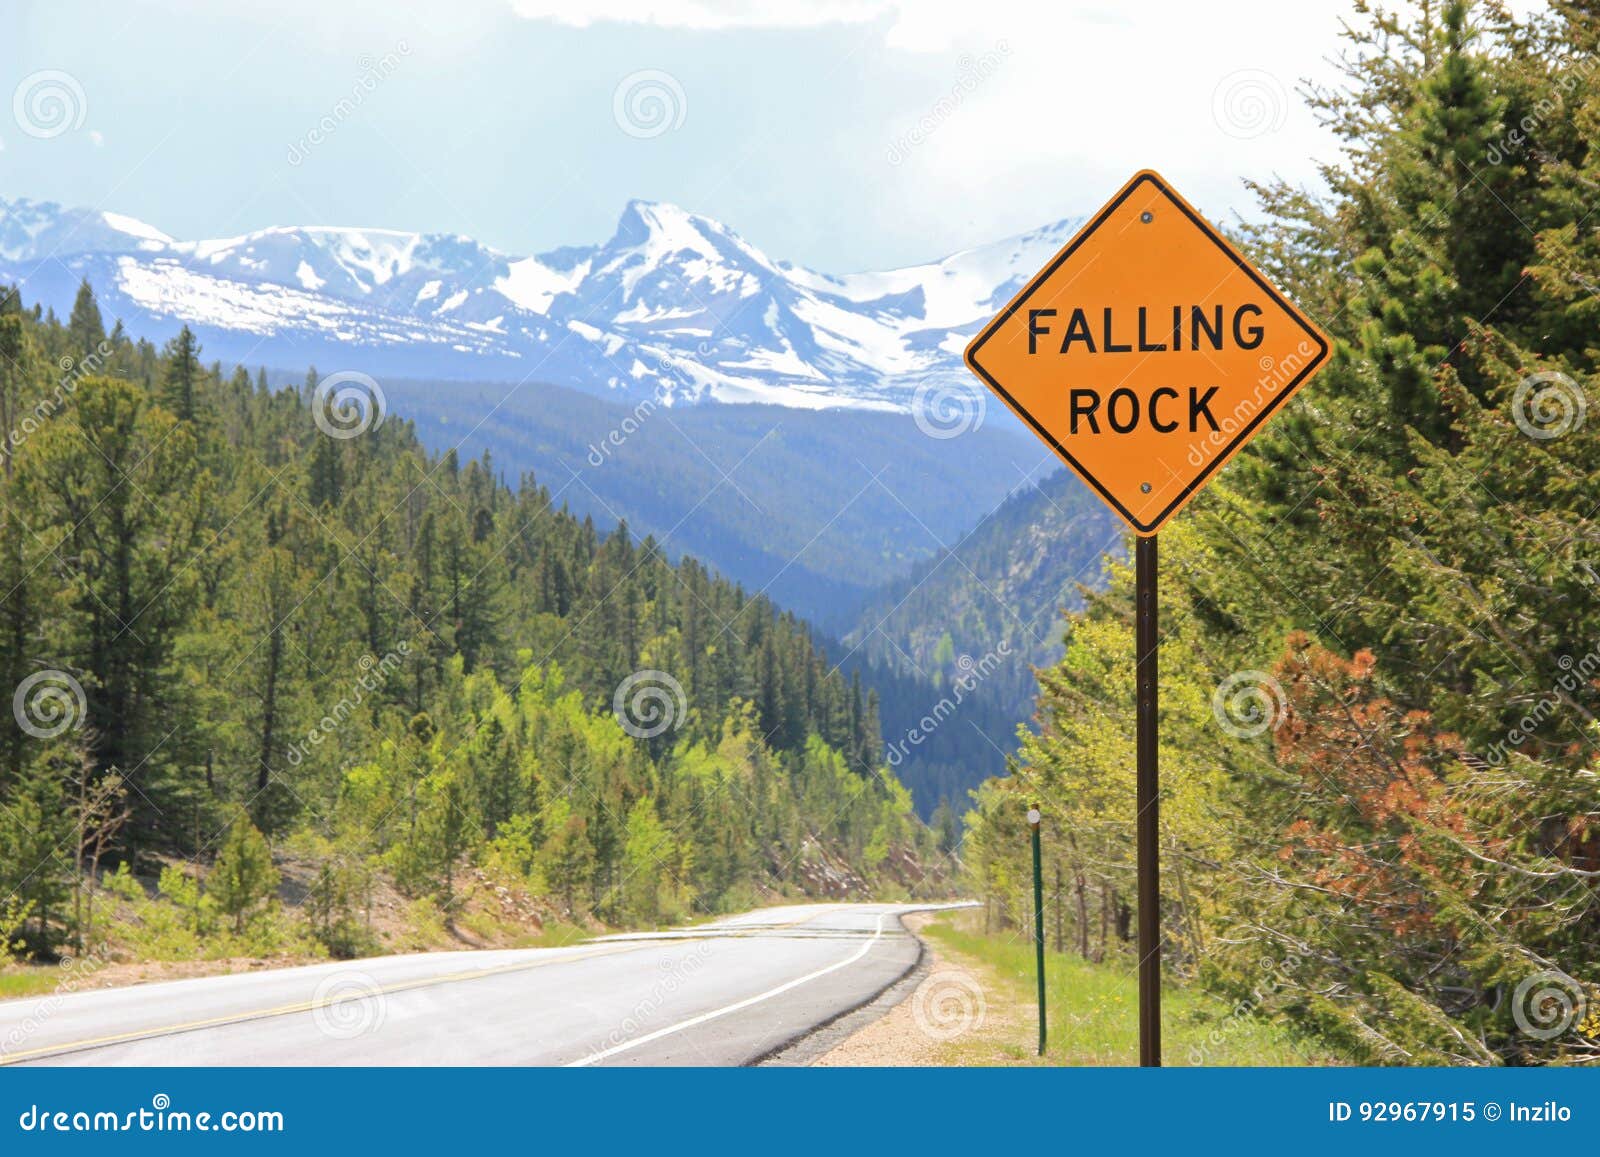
(1038, 916)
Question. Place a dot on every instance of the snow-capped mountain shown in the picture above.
(674, 304)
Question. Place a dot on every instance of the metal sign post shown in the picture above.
(1146, 353)
(1148, 800)
(1038, 917)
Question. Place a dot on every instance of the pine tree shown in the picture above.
(243, 877)
(85, 331)
(180, 391)
(17, 612)
(110, 487)
(35, 856)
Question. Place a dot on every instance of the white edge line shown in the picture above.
(595, 1058)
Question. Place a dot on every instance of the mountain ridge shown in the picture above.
(674, 305)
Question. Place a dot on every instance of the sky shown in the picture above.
(843, 135)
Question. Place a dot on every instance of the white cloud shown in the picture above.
(704, 15)
(935, 25)
(915, 25)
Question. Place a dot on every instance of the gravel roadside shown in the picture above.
(951, 1012)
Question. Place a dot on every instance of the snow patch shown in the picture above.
(133, 227)
(533, 285)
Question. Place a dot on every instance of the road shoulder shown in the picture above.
(942, 1013)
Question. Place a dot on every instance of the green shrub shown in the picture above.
(243, 878)
(332, 914)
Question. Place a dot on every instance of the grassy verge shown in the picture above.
(28, 980)
(1093, 1010)
(554, 936)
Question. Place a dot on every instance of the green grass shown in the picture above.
(554, 935)
(1093, 1010)
(28, 980)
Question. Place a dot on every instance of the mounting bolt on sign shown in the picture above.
(1146, 354)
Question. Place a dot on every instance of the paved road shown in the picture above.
(726, 993)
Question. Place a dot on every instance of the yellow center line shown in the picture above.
(300, 1006)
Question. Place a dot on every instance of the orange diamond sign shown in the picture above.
(1147, 352)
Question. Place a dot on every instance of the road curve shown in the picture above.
(725, 993)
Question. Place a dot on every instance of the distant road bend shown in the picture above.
(726, 993)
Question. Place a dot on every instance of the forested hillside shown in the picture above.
(973, 622)
(227, 609)
(817, 508)
(1381, 811)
